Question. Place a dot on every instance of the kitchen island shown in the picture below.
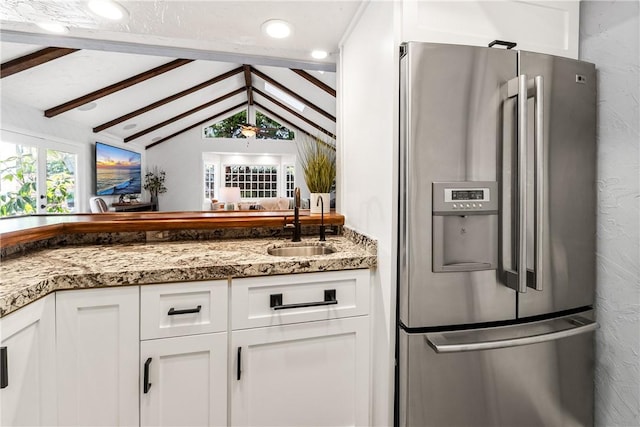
(99, 297)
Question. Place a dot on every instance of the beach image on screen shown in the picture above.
(118, 171)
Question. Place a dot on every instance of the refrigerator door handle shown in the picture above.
(510, 336)
(539, 183)
(518, 279)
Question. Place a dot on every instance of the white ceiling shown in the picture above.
(210, 25)
(231, 30)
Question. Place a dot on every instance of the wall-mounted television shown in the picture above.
(118, 171)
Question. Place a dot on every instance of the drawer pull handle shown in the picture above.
(239, 367)
(147, 385)
(4, 368)
(329, 299)
(173, 311)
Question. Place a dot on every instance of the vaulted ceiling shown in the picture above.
(146, 99)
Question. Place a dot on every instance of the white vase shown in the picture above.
(316, 206)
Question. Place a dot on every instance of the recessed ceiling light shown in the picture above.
(87, 107)
(129, 126)
(157, 138)
(107, 9)
(319, 54)
(53, 27)
(277, 28)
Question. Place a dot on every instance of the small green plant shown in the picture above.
(318, 160)
(154, 182)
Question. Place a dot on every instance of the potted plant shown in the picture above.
(154, 183)
(318, 160)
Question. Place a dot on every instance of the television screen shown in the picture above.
(118, 171)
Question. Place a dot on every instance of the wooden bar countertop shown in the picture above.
(31, 228)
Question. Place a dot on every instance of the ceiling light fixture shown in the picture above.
(107, 9)
(319, 54)
(277, 28)
(53, 27)
(248, 131)
(129, 126)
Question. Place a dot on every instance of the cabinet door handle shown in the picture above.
(4, 368)
(329, 299)
(147, 385)
(239, 373)
(509, 45)
(173, 311)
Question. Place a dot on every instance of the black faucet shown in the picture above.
(297, 230)
(321, 203)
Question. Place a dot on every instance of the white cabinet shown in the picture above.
(301, 371)
(537, 26)
(27, 337)
(97, 349)
(183, 375)
(185, 380)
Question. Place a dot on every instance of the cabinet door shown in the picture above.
(28, 338)
(306, 374)
(538, 26)
(186, 381)
(97, 345)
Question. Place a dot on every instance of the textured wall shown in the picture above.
(609, 37)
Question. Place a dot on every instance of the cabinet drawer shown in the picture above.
(279, 300)
(188, 308)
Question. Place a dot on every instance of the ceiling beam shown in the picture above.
(293, 94)
(168, 99)
(247, 82)
(33, 60)
(74, 103)
(331, 91)
(209, 54)
(228, 110)
(282, 119)
(294, 113)
(185, 114)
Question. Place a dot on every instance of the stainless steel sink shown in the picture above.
(301, 250)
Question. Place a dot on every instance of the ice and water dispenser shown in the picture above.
(465, 226)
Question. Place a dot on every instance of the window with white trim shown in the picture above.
(290, 180)
(254, 181)
(209, 181)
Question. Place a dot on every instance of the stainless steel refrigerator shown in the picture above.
(496, 246)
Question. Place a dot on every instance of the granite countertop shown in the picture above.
(34, 275)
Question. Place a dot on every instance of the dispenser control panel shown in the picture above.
(465, 198)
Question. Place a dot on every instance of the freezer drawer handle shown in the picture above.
(444, 342)
(172, 311)
(329, 299)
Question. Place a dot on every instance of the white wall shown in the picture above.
(609, 37)
(367, 144)
(182, 159)
(24, 124)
